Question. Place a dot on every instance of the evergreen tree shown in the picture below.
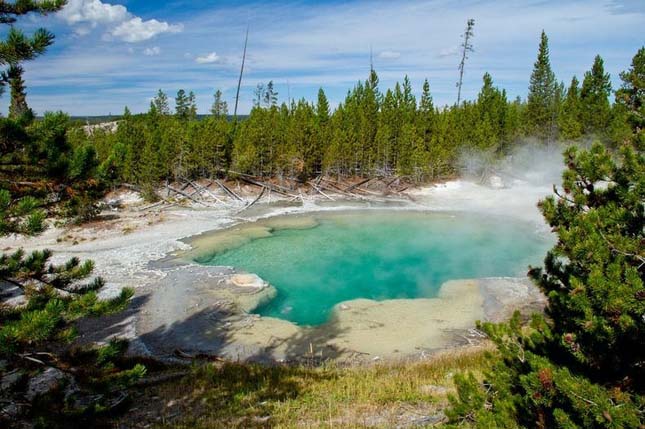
(322, 108)
(23, 216)
(18, 47)
(182, 105)
(541, 104)
(409, 101)
(426, 105)
(192, 105)
(594, 99)
(426, 113)
(270, 97)
(570, 119)
(220, 107)
(258, 95)
(366, 103)
(492, 105)
(631, 96)
(18, 105)
(581, 367)
(161, 104)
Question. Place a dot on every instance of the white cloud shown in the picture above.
(137, 30)
(449, 52)
(121, 24)
(93, 12)
(208, 59)
(389, 55)
(151, 52)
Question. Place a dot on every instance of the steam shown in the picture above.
(510, 187)
(530, 163)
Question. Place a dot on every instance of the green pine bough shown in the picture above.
(581, 364)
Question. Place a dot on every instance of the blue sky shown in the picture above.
(113, 53)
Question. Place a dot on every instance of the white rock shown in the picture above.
(248, 281)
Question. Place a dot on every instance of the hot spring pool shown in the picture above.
(316, 261)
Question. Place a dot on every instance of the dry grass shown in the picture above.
(254, 396)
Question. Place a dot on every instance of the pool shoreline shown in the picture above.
(136, 249)
(413, 264)
(210, 313)
(359, 331)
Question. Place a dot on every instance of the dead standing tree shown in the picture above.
(466, 47)
(239, 82)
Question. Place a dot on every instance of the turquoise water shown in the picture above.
(377, 255)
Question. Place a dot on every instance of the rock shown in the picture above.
(11, 380)
(248, 281)
(46, 382)
(433, 390)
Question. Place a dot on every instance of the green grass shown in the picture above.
(233, 395)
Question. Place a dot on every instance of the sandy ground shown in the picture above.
(196, 309)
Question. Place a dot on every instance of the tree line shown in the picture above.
(372, 132)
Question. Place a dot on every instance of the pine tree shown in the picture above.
(570, 119)
(594, 99)
(492, 106)
(426, 105)
(630, 98)
(426, 113)
(182, 105)
(18, 47)
(409, 101)
(582, 366)
(161, 104)
(270, 97)
(541, 103)
(220, 107)
(192, 105)
(18, 106)
(258, 94)
(322, 108)
(631, 94)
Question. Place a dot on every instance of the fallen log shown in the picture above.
(361, 183)
(274, 188)
(254, 201)
(338, 190)
(190, 197)
(321, 192)
(255, 181)
(203, 189)
(228, 191)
